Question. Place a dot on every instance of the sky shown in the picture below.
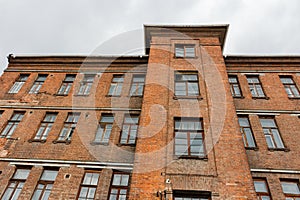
(56, 27)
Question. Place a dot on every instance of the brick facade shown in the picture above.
(158, 167)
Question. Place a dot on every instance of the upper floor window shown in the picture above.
(184, 51)
(234, 86)
(261, 188)
(186, 84)
(45, 127)
(137, 85)
(189, 137)
(38, 84)
(88, 186)
(12, 124)
(104, 128)
(129, 129)
(69, 127)
(255, 87)
(290, 189)
(116, 85)
(86, 84)
(271, 132)
(15, 184)
(45, 184)
(119, 186)
(246, 131)
(18, 84)
(66, 84)
(290, 86)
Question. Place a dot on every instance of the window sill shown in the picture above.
(266, 98)
(81, 95)
(112, 95)
(194, 57)
(61, 95)
(130, 145)
(99, 143)
(61, 141)
(294, 98)
(191, 157)
(140, 96)
(34, 140)
(187, 97)
(252, 148)
(279, 149)
(238, 97)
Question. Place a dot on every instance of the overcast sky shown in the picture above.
(81, 26)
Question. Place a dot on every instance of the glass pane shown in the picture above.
(124, 181)
(267, 122)
(286, 80)
(290, 188)
(180, 89)
(138, 79)
(91, 193)
(21, 174)
(70, 78)
(131, 120)
(193, 89)
(277, 138)
(260, 186)
(252, 80)
(189, 77)
(249, 136)
(270, 142)
(117, 179)
(179, 52)
(49, 175)
(107, 118)
(232, 79)
(243, 121)
(190, 51)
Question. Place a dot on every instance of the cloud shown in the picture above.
(78, 27)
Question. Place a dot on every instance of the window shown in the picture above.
(235, 86)
(38, 84)
(12, 125)
(45, 184)
(290, 87)
(129, 129)
(255, 87)
(261, 188)
(191, 195)
(116, 85)
(86, 84)
(88, 186)
(271, 133)
(189, 137)
(290, 189)
(186, 84)
(66, 84)
(45, 126)
(69, 127)
(137, 86)
(1, 112)
(246, 131)
(119, 186)
(18, 84)
(184, 51)
(104, 128)
(16, 184)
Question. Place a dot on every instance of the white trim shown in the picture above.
(99, 167)
(89, 164)
(259, 71)
(276, 171)
(68, 108)
(268, 112)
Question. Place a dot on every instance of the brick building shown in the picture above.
(181, 122)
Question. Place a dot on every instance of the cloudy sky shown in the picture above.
(79, 27)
